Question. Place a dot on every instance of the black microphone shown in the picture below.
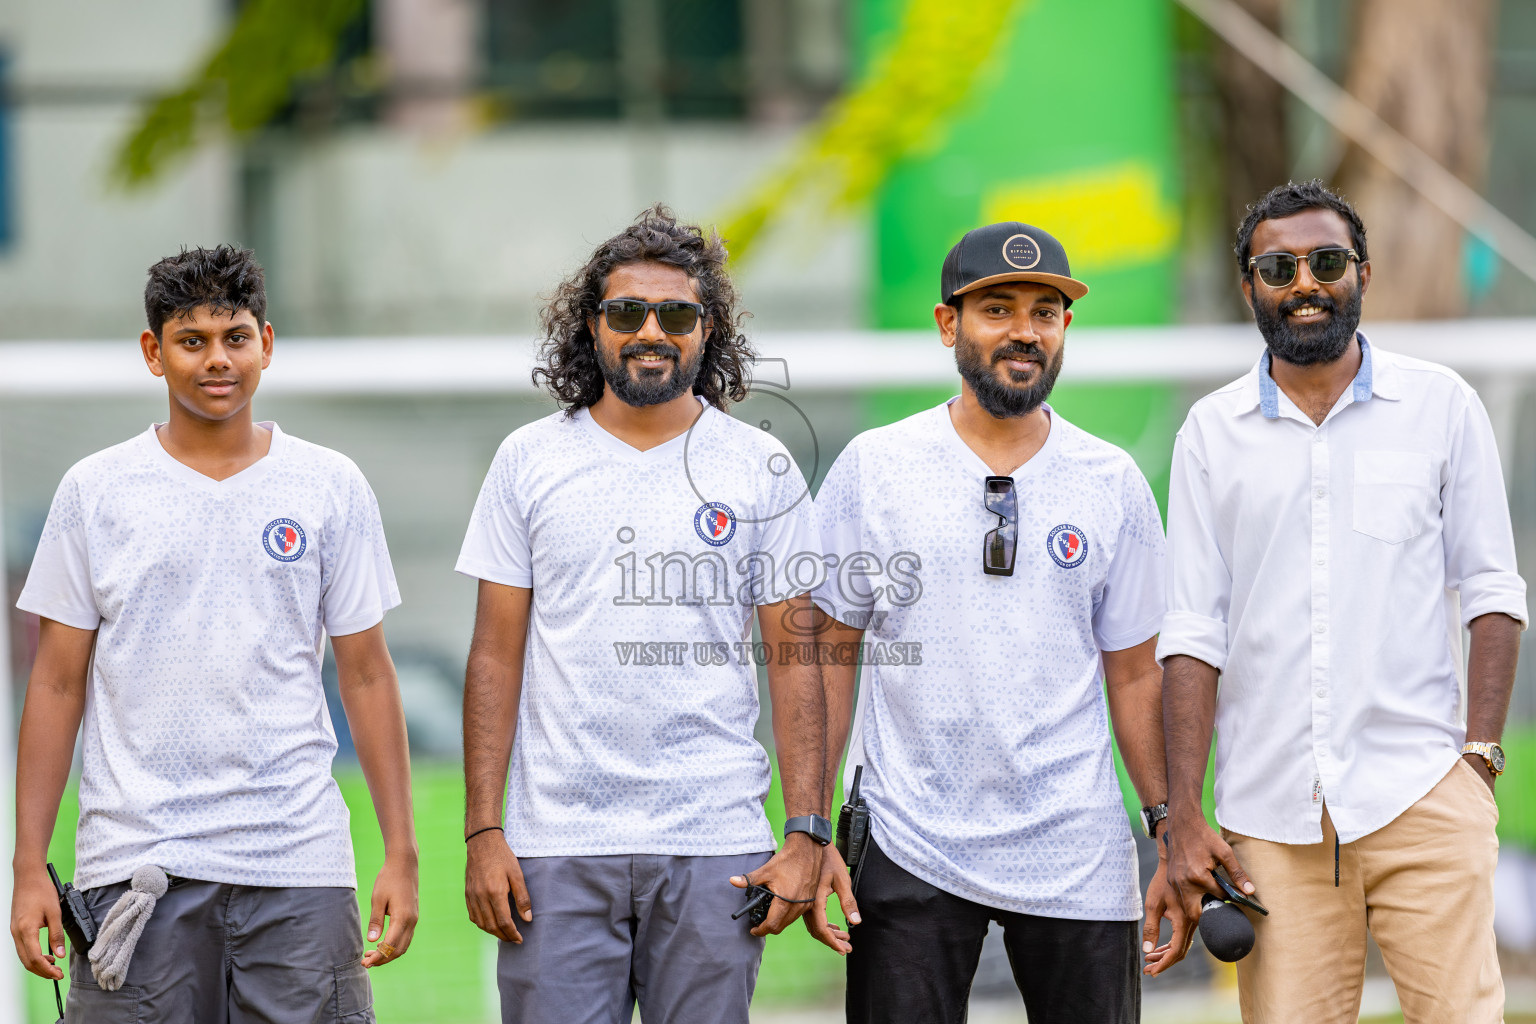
(1225, 930)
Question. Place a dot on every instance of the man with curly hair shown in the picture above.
(621, 546)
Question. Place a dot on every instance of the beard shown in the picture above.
(1308, 344)
(649, 385)
(1005, 398)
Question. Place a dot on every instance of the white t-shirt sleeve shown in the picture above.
(1131, 606)
(789, 539)
(358, 582)
(496, 547)
(846, 595)
(59, 584)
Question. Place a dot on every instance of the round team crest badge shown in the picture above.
(1067, 545)
(1021, 252)
(715, 523)
(284, 540)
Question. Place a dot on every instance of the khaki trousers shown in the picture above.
(1423, 888)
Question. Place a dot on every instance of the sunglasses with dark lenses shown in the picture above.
(998, 547)
(1278, 269)
(628, 315)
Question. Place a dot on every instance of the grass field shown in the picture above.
(447, 976)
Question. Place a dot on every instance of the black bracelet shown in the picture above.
(488, 828)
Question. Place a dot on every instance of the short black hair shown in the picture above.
(568, 366)
(224, 278)
(1290, 199)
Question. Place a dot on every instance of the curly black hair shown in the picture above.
(224, 278)
(568, 366)
(1290, 199)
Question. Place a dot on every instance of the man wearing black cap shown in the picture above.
(1018, 554)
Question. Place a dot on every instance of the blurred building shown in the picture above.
(460, 157)
(461, 153)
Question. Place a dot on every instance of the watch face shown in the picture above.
(821, 830)
(1496, 756)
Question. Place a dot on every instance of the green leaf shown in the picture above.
(903, 102)
(273, 46)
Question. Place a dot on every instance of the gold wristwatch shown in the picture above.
(1492, 753)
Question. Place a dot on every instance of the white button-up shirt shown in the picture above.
(1326, 571)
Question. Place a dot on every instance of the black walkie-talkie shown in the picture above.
(853, 824)
(78, 923)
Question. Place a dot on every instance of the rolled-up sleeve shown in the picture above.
(1199, 581)
(1479, 540)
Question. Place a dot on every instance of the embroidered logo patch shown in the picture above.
(284, 540)
(1021, 252)
(1068, 545)
(715, 523)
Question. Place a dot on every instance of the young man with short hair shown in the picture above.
(1336, 517)
(622, 546)
(186, 580)
(1023, 557)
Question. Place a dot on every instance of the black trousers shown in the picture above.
(915, 955)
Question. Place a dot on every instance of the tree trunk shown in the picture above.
(1253, 121)
(1425, 67)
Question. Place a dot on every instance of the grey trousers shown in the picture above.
(233, 954)
(610, 932)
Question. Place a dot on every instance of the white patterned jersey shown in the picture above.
(981, 721)
(635, 732)
(207, 743)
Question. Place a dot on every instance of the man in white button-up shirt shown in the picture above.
(1335, 518)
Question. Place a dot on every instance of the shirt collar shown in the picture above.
(1371, 380)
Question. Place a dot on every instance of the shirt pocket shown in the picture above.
(1392, 492)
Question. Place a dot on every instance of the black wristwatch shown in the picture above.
(1151, 817)
(813, 825)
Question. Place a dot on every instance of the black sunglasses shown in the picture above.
(997, 549)
(628, 315)
(1278, 269)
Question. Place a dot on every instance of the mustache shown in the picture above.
(1320, 300)
(1019, 350)
(640, 348)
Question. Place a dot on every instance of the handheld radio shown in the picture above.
(853, 824)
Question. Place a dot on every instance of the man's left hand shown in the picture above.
(1163, 901)
(834, 879)
(1481, 767)
(395, 898)
(792, 873)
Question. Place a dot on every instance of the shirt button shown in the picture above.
(1317, 438)
(1322, 692)
(1319, 629)
(1322, 492)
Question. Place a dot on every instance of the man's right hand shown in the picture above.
(34, 907)
(1194, 851)
(491, 875)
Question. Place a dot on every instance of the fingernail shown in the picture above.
(527, 915)
(737, 879)
(1146, 947)
(1247, 887)
(854, 919)
(58, 951)
(373, 933)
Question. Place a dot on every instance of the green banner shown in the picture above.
(1069, 127)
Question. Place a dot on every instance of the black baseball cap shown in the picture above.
(1008, 251)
